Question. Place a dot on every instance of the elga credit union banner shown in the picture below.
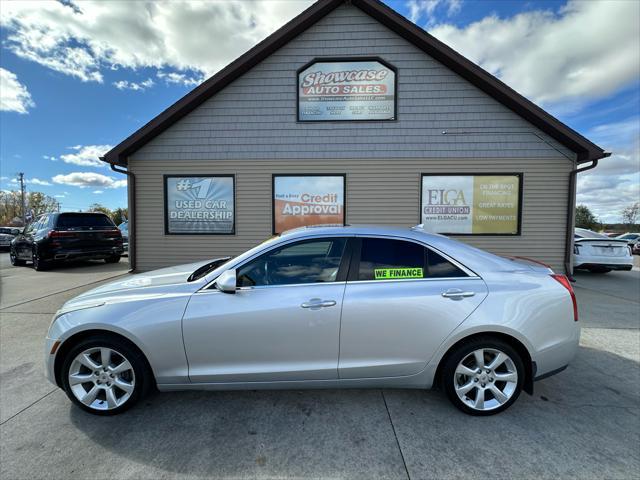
(199, 205)
(300, 201)
(363, 90)
(471, 204)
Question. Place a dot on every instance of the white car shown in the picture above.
(600, 254)
(324, 307)
(631, 238)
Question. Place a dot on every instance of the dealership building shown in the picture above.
(351, 114)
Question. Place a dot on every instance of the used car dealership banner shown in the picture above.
(299, 201)
(199, 205)
(363, 90)
(471, 204)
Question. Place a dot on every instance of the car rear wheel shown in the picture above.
(112, 259)
(38, 263)
(104, 376)
(13, 258)
(483, 376)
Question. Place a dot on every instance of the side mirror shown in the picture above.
(226, 282)
(15, 232)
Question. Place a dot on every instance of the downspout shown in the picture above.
(571, 207)
(132, 213)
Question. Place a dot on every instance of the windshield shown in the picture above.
(5, 230)
(207, 267)
(213, 265)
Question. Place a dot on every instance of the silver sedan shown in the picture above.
(321, 307)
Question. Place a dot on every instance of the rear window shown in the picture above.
(84, 220)
(387, 259)
(5, 230)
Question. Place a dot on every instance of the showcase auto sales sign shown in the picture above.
(363, 90)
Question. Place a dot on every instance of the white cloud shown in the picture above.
(85, 39)
(85, 155)
(14, 96)
(180, 78)
(89, 179)
(615, 182)
(136, 86)
(587, 50)
(59, 196)
(98, 192)
(420, 8)
(50, 157)
(37, 181)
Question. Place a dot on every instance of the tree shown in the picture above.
(11, 210)
(585, 218)
(41, 203)
(630, 214)
(96, 207)
(119, 215)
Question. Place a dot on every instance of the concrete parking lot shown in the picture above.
(582, 423)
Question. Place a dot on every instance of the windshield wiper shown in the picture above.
(207, 267)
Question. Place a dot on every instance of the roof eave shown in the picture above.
(584, 148)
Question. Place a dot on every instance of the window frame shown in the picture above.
(519, 175)
(343, 269)
(273, 194)
(354, 266)
(165, 198)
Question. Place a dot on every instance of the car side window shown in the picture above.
(388, 259)
(308, 261)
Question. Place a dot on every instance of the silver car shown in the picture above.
(321, 307)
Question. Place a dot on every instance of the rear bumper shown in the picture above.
(610, 266)
(93, 254)
(614, 263)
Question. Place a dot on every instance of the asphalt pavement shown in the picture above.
(582, 423)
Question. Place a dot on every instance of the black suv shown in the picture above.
(59, 237)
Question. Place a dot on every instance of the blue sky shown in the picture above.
(78, 78)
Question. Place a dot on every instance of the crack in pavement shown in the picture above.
(61, 291)
(27, 407)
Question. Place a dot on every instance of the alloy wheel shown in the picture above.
(485, 379)
(101, 378)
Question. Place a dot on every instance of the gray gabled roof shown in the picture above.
(584, 148)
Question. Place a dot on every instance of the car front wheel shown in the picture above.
(483, 376)
(112, 259)
(104, 376)
(13, 258)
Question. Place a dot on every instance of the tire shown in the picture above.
(599, 270)
(112, 259)
(128, 386)
(13, 258)
(39, 265)
(463, 359)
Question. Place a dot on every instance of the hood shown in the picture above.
(157, 282)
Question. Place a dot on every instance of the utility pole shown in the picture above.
(24, 216)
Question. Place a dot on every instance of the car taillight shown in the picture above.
(112, 234)
(61, 234)
(564, 281)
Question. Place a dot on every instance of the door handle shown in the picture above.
(316, 303)
(457, 294)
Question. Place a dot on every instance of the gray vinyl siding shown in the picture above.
(249, 129)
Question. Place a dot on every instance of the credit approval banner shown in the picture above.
(199, 205)
(354, 90)
(300, 201)
(471, 204)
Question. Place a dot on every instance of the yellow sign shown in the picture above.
(395, 273)
(471, 204)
